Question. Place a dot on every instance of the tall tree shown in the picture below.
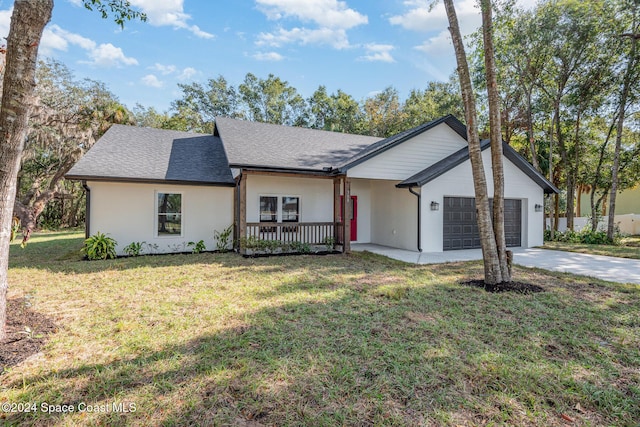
(492, 268)
(217, 98)
(383, 113)
(66, 118)
(496, 141)
(27, 24)
(437, 100)
(272, 100)
(630, 76)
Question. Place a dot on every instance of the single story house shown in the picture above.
(413, 190)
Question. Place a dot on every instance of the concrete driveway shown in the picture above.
(614, 269)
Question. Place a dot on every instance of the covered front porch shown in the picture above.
(292, 210)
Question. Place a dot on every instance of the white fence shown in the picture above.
(628, 224)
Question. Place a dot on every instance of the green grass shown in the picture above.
(217, 339)
(629, 248)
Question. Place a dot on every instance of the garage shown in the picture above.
(460, 227)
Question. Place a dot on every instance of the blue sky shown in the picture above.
(359, 46)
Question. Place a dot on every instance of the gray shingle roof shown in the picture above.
(128, 153)
(462, 155)
(252, 144)
(385, 144)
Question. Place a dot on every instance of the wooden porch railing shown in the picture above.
(313, 233)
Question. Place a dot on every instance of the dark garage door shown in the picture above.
(461, 228)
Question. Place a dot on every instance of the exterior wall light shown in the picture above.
(538, 208)
(435, 206)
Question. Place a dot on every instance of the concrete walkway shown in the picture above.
(614, 269)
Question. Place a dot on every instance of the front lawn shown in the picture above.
(217, 339)
(629, 248)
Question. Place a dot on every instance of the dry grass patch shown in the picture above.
(217, 339)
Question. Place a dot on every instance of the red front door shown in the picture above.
(354, 216)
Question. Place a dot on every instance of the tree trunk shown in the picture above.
(496, 141)
(620, 128)
(595, 206)
(27, 23)
(492, 273)
(532, 141)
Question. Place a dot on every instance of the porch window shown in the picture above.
(290, 209)
(279, 209)
(169, 209)
(268, 212)
(290, 212)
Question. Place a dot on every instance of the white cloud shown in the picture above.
(103, 55)
(187, 73)
(169, 13)
(268, 56)
(152, 81)
(107, 55)
(163, 69)
(378, 53)
(326, 22)
(322, 36)
(325, 13)
(422, 17)
(440, 44)
(171, 70)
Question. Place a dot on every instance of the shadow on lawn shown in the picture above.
(435, 354)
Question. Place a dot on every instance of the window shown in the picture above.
(279, 209)
(290, 209)
(169, 210)
(268, 209)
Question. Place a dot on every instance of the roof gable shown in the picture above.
(462, 155)
(129, 153)
(395, 140)
(264, 145)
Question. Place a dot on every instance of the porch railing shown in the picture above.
(313, 233)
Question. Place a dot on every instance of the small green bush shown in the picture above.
(223, 238)
(330, 243)
(197, 247)
(586, 236)
(134, 248)
(99, 246)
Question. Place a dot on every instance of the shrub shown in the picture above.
(330, 243)
(303, 248)
(134, 248)
(99, 246)
(223, 238)
(586, 236)
(198, 247)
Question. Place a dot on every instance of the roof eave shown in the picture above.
(460, 157)
(328, 171)
(73, 177)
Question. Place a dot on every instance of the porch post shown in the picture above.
(242, 222)
(346, 217)
(336, 209)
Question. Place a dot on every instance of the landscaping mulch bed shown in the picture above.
(518, 287)
(27, 332)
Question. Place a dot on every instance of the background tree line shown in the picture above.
(567, 78)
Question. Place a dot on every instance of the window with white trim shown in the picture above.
(169, 214)
(279, 209)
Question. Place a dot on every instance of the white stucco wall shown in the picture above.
(412, 156)
(127, 212)
(316, 196)
(458, 182)
(394, 215)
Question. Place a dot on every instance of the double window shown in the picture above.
(279, 209)
(169, 209)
